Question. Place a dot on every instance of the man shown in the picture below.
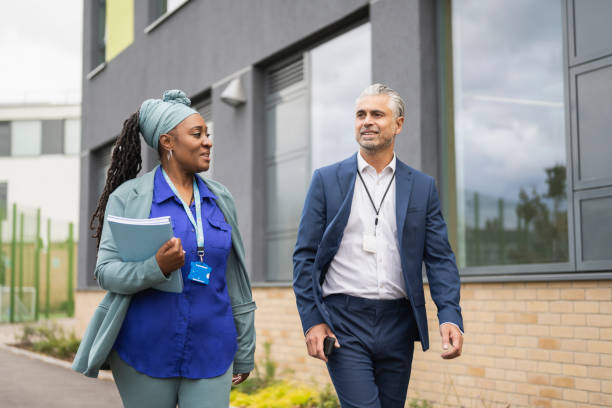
(368, 224)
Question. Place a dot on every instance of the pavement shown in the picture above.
(31, 380)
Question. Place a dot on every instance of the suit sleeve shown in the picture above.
(440, 264)
(310, 232)
(112, 273)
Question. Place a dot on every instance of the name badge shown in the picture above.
(199, 272)
(369, 243)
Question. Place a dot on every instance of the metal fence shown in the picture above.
(37, 266)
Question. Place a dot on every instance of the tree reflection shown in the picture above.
(540, 235)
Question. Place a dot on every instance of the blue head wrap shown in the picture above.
(159, 116)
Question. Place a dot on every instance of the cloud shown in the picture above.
(41, 48)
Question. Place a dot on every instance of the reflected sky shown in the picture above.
(508, 85)
(340, 70)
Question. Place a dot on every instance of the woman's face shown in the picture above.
(191, 145)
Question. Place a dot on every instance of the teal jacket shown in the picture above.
(121, 279)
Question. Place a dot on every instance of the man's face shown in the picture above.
(375, 126)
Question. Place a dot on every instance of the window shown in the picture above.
(100, 163)
(504, 147)
(72, 136)
(5, 139)
(26, 137)
(99, 34)
(160, 9)
(52, 136)
(112, 31)
(310, 103)
(340, 70)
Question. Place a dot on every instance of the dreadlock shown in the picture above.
(126, 162)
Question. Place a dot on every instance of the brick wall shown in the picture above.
(526, 345)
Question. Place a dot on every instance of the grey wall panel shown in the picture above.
(233, 154)
(52, 137)
(5, 138)
(594, 229)
(592, 123)
(200, 44)
(592, 37)
(403, 57)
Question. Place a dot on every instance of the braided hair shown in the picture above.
(125, 164)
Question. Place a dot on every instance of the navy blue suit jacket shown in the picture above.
(421, 233)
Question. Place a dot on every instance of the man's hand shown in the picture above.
(314, 340)
(452, 341)
(238, 378)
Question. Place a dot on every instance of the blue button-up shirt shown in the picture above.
(189, 334)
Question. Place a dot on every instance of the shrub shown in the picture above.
(50, 339)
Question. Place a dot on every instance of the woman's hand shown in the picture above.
(238, 378)
(170, 256)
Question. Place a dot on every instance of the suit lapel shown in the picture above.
(330, 242)
(403, 189)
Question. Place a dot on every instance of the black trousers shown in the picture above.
(372, 366)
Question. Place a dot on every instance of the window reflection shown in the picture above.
(340, 70)
(508, 179)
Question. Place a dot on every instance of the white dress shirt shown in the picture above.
(355, 271)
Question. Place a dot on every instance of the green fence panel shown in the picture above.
(13, 257)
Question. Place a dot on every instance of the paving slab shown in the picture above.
(27, 382)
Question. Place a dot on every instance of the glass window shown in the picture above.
(506, 195)
(5, 138)
(26, 137)
(99, 34)
(161, 7)
(72, 136)
(309, 124)
(340, 70)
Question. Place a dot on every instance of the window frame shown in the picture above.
(163, 17)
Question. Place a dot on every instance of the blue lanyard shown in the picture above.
(198, 207)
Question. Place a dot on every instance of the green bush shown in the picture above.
(263, 390)
(50, 339)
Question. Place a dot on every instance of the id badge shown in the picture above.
(369, 243)
(199, 272)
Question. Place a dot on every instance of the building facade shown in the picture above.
(507, 107)
(40, 147)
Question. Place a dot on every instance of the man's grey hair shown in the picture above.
(396, 104)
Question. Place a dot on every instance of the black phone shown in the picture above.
(328, 345)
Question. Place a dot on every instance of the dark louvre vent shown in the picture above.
(285, 75)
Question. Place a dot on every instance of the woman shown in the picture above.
(166, 348)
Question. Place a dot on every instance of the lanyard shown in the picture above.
(377, 211)
(198, 207)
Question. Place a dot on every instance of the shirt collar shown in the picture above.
(362, 164)
(162, 191)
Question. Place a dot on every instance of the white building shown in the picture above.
(40, 159)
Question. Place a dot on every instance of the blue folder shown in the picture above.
(139, 239)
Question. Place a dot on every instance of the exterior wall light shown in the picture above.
(234, 93)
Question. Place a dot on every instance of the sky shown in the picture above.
(40, 49)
